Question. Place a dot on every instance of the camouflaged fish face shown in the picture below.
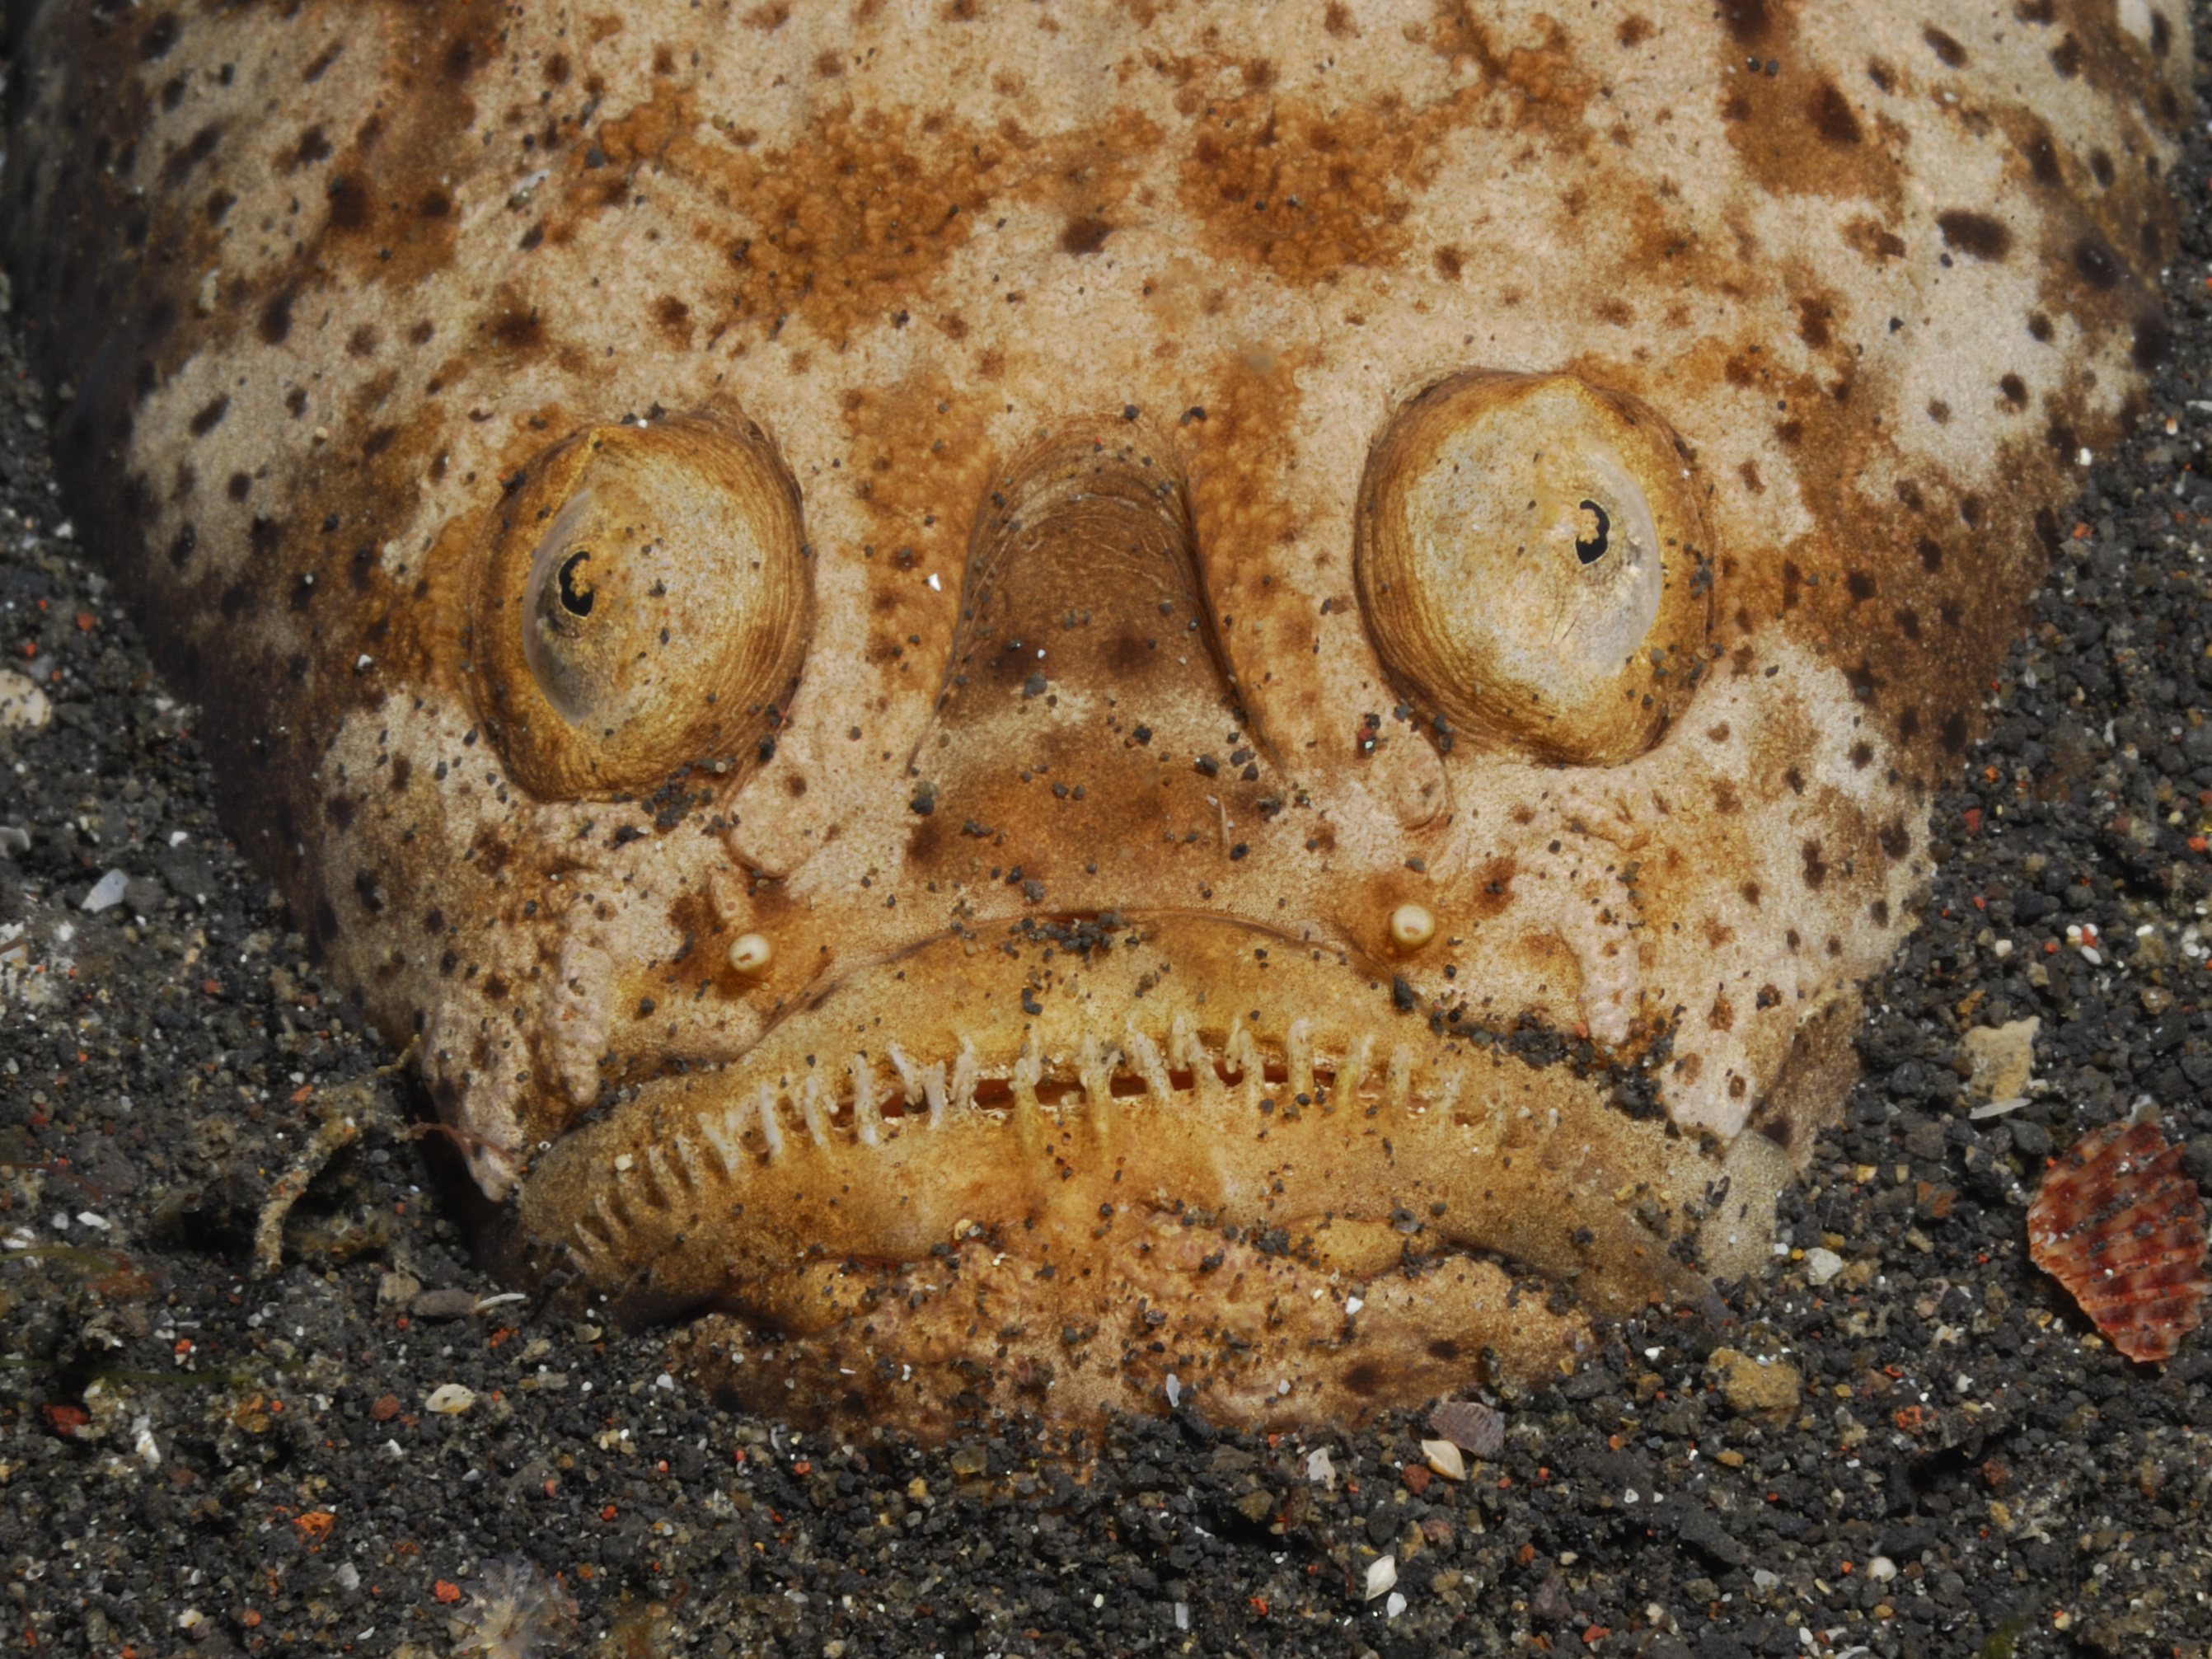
(1034, 697)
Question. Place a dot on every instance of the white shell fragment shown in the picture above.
(1382, 1575)
(450, 1399)
(1444, 1459)
(23, 707)
(106, 893)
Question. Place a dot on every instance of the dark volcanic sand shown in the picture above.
(193, 1459)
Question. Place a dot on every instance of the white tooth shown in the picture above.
(1300, 1059)
(656, 1169)
(1355, 1069)
(1144, 1056)
(1094, 1066)
(866, 1122)
(1029, 1072)
(965, 1071)
(613, 1229)
(921, 1086)
(771, 1121)
(1187, 1050)
(1447, 1104)
(688, 1160)
(589, 1244)
(814, 1108)
(725, 1133)
(1243, 1057)
(1398, 1090)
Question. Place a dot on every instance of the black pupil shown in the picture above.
(578, 601)
(1589, 552)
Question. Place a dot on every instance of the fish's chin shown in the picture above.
(1091, 1154)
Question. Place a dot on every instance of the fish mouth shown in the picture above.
(1064, 1094)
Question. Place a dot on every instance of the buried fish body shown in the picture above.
(1033, 701)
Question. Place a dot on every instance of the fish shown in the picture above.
(1088, 707)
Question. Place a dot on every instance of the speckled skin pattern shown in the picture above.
(1054, 369)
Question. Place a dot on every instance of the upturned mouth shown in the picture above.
(1057, 1090)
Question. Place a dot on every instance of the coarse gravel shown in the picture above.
(1906, 1441)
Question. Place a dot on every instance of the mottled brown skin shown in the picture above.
(1071, 359)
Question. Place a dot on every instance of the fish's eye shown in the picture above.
(1532, 565)
(642, 600)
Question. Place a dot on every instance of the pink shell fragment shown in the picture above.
(2119, 1224)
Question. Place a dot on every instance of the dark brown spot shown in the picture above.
(2014, 390)
(1859, 585)
(1975, 234)
(1945, 46)
(1896, 840)
(210, 416)
(2066, 57)
(1450, 262)
(2100, 266)
(2042, 155)
(1085, 234)
(276, 321)
(2039, 327)
(1908, 623)
(1880, 911)
(1832, 117)
(1816, 868)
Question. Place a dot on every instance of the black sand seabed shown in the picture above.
(1939, 1458)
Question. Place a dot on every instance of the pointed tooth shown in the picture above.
(1094, 1066)
(1447, 1106)
(814, 1109)
(920, 1085)
(1398, 1087)
(1299, 1057)
(658, 1180)
(866, 1123)
(613, 1229)
(771, 1121)
(588, 1242)
(1144, 1056)
(1029, 1072)
(691, 1168)
(1355, 1069)
(725, 1133)
(1188, 1050)
(965, 1071)
(1243, 1057)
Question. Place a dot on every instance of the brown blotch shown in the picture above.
(2014, 390)
(1975, 234)
(1945, 46)
(1816, 867)
(673, 318)
(1085, 234)
(1634, 30)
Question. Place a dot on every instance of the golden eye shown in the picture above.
(1532, 565)
(643, 599)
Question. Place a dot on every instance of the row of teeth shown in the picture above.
(928, 1097)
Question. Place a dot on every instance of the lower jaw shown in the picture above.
(1171, 1314)
(1148, 1168)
